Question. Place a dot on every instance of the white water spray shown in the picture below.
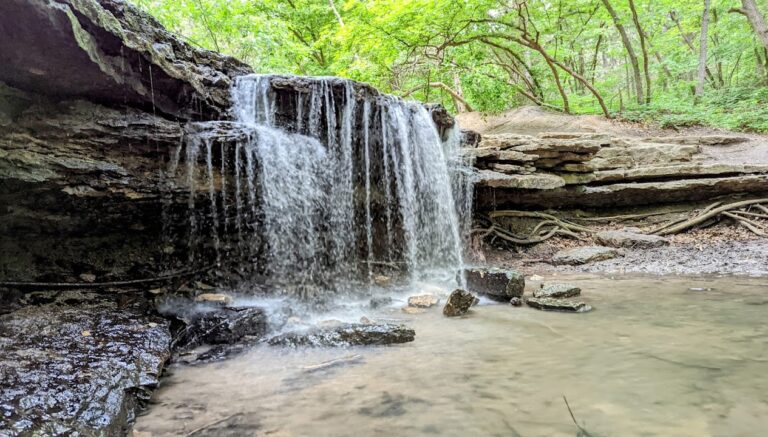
(334, 181)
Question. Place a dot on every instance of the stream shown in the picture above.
(669, 356)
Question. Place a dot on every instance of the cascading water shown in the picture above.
(331, 182)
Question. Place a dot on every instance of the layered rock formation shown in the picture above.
(91, 109)
(556, 170)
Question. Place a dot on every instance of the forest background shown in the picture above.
(674, 63)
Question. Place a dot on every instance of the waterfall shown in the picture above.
(332, 182)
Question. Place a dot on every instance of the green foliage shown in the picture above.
(478, 48)
(739, 108)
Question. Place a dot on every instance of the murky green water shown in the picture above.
(654, 358)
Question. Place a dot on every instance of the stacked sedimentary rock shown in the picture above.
(561, 169)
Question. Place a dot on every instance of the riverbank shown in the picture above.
(724, 250)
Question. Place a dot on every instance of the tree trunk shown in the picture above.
(756, 20)
(461, 105)
(630, 51)
(702, 74)
(336, 13)
(646, 67)
(689, 44)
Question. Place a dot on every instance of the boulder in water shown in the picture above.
(549, 304)
(351, 334)
(459, 303)
(496, 284)
(226, 325)
(423, 301)
(584, 255)
(557, 290)
(378, 302)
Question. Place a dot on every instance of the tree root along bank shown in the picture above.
(751, 214)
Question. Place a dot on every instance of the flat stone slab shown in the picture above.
(679, 171)
(351, 334)
(537, 181)
(624, 194)
(557, 290)
(497, 284)
(459, 303)
(78, 364)
(706, 140)
(584, 255)
(629, 239)
(549, 304)
(423, 301)
(495, 154)
(512, 168)
(505, 141)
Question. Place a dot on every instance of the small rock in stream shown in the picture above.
(557, 290)
(413, 310)
(351, 334)
(378, 302)
(330, 323)
(549, 304)
(496, 284)
(214, 298)
(516, 302)
(459, 303)
(423, 301)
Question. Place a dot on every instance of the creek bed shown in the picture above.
(658, 356)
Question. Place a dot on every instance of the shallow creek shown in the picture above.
(664, 356)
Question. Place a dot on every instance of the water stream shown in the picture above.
(660, 356)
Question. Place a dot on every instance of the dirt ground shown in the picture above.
(532, 120)
(725, 248)
(722, 249)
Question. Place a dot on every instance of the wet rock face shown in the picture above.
(459, 303)
(347, 335)
(78, 364)
(228, 325)
(84, 179)
(109, 51)
(91, 110)
(497, 284)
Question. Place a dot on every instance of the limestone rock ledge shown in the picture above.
(565, 170)
(94, 95)
(110, 52)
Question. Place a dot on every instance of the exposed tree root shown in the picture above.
(114, 284)
(751, 214)
(709, 212)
